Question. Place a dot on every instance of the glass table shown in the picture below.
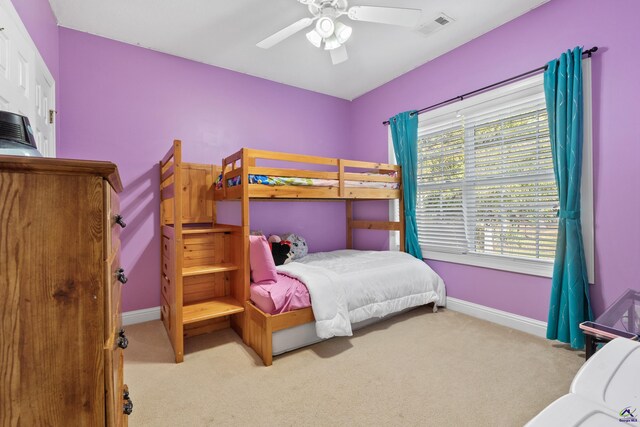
(621, 319)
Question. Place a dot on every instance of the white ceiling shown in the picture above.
(225, 33)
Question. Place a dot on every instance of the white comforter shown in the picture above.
(349, 286)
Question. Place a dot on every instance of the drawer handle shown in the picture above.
(120, 221)
(121, 276)
(122, 340)
(127, 408)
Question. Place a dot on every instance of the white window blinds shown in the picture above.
(485, 177)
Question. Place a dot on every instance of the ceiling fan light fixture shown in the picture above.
(342, 32)
(314, 38)
(331, 43)
(328, 33)
(325, 27)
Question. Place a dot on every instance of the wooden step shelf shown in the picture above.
(210, 309)
(206, 230)
(208, 269)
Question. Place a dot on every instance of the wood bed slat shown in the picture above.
(167, 173)
(295, 173)
(233, 173)
(306, 193)
(291, 319)
(370, 165)
(289, 157)
(167, 182)
(232, 193)
(376, 225)
(232, 158)
(168, 192)
(350, 176)
(170, 154)
(291, 192)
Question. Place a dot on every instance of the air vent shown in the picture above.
(436, 24)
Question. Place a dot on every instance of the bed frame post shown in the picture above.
(178, 249)
(349, 227)
(171, 217)
(239, 321)
(258, 332)
(340, 178)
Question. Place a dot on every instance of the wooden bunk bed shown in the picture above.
(205, 271)
(259, 326)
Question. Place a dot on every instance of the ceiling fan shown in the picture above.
(333, 33)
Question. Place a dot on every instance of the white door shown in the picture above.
(43, 125)
(26, 85)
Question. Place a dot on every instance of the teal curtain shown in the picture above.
(569, 304)
(404, 131)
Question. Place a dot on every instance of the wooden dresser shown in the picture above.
(61, 342)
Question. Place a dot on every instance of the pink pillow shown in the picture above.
(263, 269)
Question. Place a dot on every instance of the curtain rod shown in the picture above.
(588, 52)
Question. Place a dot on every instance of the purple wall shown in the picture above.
(518, 46)
(127, 104)
(39, 20)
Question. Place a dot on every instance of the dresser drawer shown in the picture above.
(115, 274)
(115, 391)
(114, 222)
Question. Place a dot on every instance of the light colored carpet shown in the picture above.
(419, 368)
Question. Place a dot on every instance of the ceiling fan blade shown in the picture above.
(386, 15)
(276, 38)
(339, 55)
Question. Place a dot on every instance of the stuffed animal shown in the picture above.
(298, 245)
(274, 238)
(281, 252)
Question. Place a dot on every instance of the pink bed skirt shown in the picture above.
(286, 294)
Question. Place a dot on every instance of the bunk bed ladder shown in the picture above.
(202, 275)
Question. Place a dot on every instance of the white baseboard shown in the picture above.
(139, 316)
(515, 321)
(504, 318)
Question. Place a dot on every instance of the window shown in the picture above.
(486, 187)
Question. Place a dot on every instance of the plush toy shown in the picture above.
(281, 252)
(274, 238)
(298, 245)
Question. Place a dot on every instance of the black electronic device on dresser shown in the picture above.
(16, 136)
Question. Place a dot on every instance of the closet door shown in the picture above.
(43, 125)
(26, 85)
(16, 69)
